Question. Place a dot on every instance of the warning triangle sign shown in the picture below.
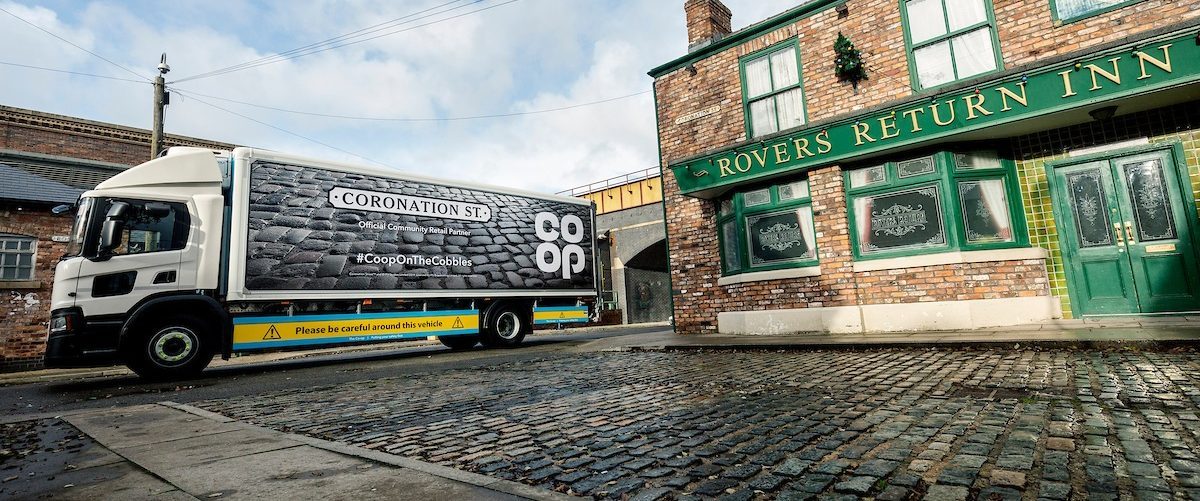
(457, 323)
(562, 314)
(271, 333)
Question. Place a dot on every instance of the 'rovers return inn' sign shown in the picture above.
(1148, 67)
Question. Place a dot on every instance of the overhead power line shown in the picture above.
(409, 119)
(19, 65)
(316, 50)
(368, 29)
(280, 129)
(73, 44)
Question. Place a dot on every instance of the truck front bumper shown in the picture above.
(76, 341)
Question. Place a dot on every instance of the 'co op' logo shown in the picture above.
(550, 258)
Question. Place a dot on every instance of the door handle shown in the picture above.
(1120, 237)
(1129, 233)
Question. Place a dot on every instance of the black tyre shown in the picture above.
(506, 327)
(171, 348)
(459, 342)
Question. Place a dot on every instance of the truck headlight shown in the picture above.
(59, 324)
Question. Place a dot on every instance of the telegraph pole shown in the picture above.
(161, 99)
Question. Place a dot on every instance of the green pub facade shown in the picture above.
(877, 165)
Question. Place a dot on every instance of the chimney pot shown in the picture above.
(707, 22)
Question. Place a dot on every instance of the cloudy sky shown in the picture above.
(512, 56)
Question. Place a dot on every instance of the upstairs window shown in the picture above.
(949, 40)
(1074, 10)
(16, 257)
(773, 97)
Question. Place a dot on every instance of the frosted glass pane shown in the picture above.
(963, 13)
(933, 64)
(790, 107)
(758, 77)
(762, 117)
(925, 20)
(783, 68)
(973, 53)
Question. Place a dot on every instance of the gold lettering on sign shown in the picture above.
(760, 156)
(1006, 94)
(859, 134)
(1066, 76)
(1164, 64)
(1114, 77)
(937, 116)
(801, 145)
(975, 103)
(737, 162)
(781, 153)
(823, 144)
(723, 164)
(912, 114)
(888, 123)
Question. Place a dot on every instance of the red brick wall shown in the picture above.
(24, 313)
(1027, 34)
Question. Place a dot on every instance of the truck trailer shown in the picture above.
(201, 252)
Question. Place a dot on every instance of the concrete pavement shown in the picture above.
(173, 451)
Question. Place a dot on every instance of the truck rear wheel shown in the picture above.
(459, 342)
(506, 328)
(171, 348)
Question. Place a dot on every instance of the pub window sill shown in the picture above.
(758, 276)
(952, 257)
(20, 284)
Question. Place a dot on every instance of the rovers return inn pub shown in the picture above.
(876, 165)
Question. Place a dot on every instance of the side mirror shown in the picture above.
(62, 209)
(156, 210)
(113, 230)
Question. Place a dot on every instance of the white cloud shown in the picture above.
(530, 55)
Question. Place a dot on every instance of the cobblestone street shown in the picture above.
(889, 424)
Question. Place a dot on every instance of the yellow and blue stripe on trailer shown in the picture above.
(255, 333)
(544, 315)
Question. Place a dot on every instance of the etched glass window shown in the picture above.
(1071, 9)
(793, 191)
(984, 205)
(906, 219)
(868, 176)
(16, 257)
(977, 160)
(1089, 207)
(914, 167)
(1151, 203)
(783, 236)
(757, 197)
(774, 99)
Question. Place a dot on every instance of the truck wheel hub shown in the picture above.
(172, 345)
(508, 325)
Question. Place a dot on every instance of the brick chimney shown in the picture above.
(707, 22)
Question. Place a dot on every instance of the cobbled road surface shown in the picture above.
(888, 424)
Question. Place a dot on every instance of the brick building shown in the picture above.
(47, 160)
(1002, 162)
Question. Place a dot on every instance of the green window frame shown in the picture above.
(1056, 11)
(776, 92)
(949, 39)
(971, 189)
(783, 245)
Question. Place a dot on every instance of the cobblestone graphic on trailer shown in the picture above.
(316, 229)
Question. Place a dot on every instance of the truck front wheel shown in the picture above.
(171, 348)
(505, 329)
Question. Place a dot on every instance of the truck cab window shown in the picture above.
(154, 227)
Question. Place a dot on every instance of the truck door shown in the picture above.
(146, 261)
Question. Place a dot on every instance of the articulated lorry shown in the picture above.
(201, 253)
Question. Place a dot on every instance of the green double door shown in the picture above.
(1125, 227)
